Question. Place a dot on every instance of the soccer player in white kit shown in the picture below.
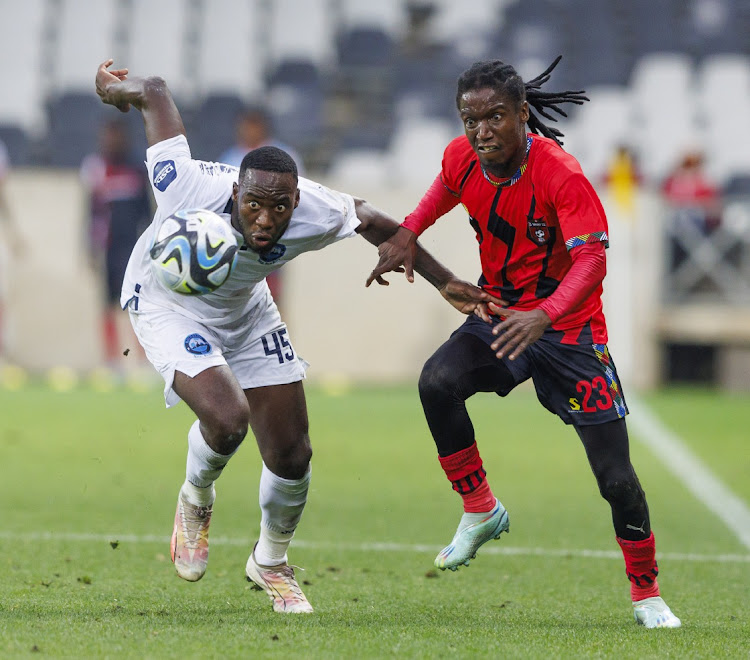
(227, 354)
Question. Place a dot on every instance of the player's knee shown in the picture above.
(227, 428)
(437, 379)
(622, 490)
(290, 459)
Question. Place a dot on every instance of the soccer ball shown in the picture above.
(193, 252)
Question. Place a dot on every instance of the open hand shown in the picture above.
(104, 81)
(517, 331)
(397, 254)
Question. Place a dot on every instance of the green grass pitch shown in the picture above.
(89, 488)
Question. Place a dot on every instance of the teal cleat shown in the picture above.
(654, 613)
(471, 535)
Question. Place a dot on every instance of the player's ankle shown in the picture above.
(198, 496)
(481, 500)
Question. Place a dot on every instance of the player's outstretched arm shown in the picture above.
(377, 227)
(150, 96)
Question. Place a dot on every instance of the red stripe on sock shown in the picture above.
(461, 465)
(641, 567)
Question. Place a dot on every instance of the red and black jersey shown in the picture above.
(526, 225)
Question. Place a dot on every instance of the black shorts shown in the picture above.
(578, 381)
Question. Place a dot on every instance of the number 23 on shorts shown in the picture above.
(595, 395)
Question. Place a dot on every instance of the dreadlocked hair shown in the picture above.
(504, 78)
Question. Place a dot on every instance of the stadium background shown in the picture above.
(365, 92)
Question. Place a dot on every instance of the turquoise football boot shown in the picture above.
(473, 531)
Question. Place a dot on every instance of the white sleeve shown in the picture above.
(180, 182)
(339, 216)
(345, 217)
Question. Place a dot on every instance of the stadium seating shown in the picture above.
(599, 127)
(385, 15)
(73, 121)
(665, 120)
(161, 42)
(212, 128)
(229, 55)
(299, 30)
(341, 73)
(17, 144)
(417, 149)
(21, 52)
(76, 58)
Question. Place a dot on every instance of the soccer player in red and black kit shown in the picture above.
(542, 234)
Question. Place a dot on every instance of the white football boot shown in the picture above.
(654, 613)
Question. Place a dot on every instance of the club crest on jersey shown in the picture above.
(538, 231)
(273, 255)
(164, 173)
(197, 345)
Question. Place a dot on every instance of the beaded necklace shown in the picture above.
(517, 175)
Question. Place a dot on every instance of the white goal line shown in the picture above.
(370, 547)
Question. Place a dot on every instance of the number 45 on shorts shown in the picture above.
(276, 343)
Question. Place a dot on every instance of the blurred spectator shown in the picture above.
(119, 211)
(254, 129)
(623, 179)
(688, 187)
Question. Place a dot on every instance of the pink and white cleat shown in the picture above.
(189, 545)
(280, 584)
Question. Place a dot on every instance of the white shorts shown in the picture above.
(259, 354)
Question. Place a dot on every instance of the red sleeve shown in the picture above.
(576, 204)
(437, 201)
(585, 275)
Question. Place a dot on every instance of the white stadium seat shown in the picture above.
(665, 121)
(21, 31)
(86, 37)
(723, 91)
(300, 30)
(417, 149)
(358, 167)
(389, 15)
(230, 56)
(158, 33)
(598, 128)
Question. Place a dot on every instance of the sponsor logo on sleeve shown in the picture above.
(164, 173)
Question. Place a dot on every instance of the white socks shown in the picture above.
(198, 496)
(204, 466)
(281, 503)
(281, 500)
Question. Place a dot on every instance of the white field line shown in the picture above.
(690, 470)
(498, 549)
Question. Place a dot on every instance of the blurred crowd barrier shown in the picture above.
(382, 334)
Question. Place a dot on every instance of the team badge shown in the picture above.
(273, 255)
(197, 345)
(164, 173)
(537, 231)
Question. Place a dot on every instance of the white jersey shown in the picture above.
(323, 217)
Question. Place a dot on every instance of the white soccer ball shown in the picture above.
(194, 251)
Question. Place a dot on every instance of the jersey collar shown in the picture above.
(519, 173)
